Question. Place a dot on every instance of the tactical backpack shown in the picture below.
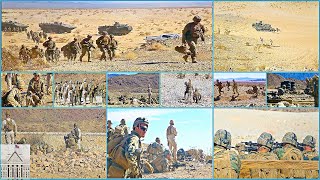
(117, 152)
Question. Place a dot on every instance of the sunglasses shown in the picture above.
(143, 128)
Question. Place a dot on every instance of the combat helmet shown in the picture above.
(140, 120)
(266, 139)
(196, 18)
(157, 139)
(309, 141)
(222, 138)
(171, 122)
(290, 138)
(111, 36)
(166, 152)
(123, 121)
(89, 36)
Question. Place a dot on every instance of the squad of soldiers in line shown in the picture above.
(35, 92)
(36, 36)
(77, 93)
(125, 153)
(123, 100)
(191, 95)
(227, 162)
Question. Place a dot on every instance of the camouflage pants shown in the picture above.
(235, 90)
(9, 136)
(50, 55)
(173, 148)
(104, 52)
(33, 100)
(73, 55)
(84, 52)
(192, 48)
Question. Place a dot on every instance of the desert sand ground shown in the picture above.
(192, 170)
(130, 55)
(294, 48)
(25, 78)
(173, 88)
(247, 125)
(39, 126)
(244, 99)
(99, 79)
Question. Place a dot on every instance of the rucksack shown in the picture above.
(117, 152)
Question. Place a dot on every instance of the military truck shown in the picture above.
(117, 29)
(260, 26)
(56, 27)
(12, 26)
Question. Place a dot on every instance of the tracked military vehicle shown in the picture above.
(259, 26)
(56, 27)
(12, 26)
(117, 29)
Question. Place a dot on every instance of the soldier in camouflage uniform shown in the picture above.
(73, 139)
(103, 44)
(86, 45)
(155, 149)
(35, 91)
(171, 138)
(128, 153)
(110, 131)
(235, 87)
(289, 151)
(310, 154)
(190, 35)
(265, 144)
(9, 127)
(84, 88)
(149, 94)
(12, 97)
(161, 163)
(220, 87)
(74, 47)
(103, 92)
(57, 54)
(226, 162)
(24, 54)
(113, 45)
(124, 128)
(35, 52)
(188, 91)
(51, 47)
(196, 96)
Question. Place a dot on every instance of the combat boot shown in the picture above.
(185, 57)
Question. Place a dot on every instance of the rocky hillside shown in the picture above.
(58, 120)
(137, 83)
(274, 81)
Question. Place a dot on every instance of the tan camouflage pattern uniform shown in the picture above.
(171, 137)
(35, 91)
(263, 173)
(311, 156)
(9, 127)
(226, 163)
(289, 152)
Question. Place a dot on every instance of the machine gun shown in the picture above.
(176, 166)
(250, 146)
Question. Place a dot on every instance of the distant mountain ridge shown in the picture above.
(242, 79)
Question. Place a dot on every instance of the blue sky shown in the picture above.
(194, 126)
(104, 4)
(238, 75)
(300, 76)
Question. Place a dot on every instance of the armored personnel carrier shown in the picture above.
(12, 26)
(259, 26)
(117, 29)
(56, 27)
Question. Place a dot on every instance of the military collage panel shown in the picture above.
(160, 89)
